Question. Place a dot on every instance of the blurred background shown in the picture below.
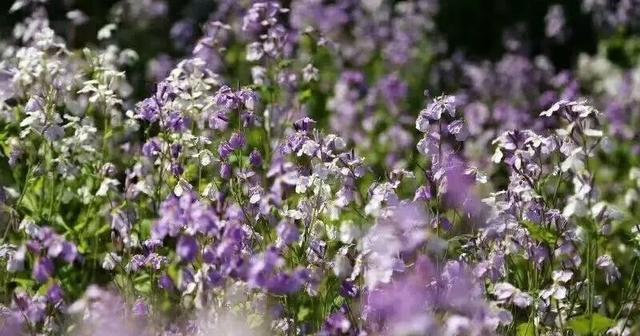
(479, 30)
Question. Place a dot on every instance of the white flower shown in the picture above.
(106, 31)
(575, 161)
(16, 260)
(575, 206)
(309, 73)
(110, 261)
(255, 51)
(556, 291)
(29, 226)
(593, 133)
(19, 4)
(259, 75)
(106, 185)
(309, 148)
(561, 276)
(630, 197)
(77, 17)
(497, 156)
(422, 123)
(341, 265)
(504, 290)
(181, 187)
(205, 157)
(522, 299)
(303, 183)
(634, 175)
(554, 108)
(605, 262)
(349, 232)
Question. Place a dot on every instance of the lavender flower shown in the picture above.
(187, 248)
(43, 270)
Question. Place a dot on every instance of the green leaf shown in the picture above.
(590, 324)
(525, 329)
(24, 283)
(338, 301)
(60, 222)
(284, 64)
(143, 286)
(303, 313)
(6, 175)
(540, 234)
(306, 95)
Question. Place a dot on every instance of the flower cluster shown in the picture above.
(283, 174)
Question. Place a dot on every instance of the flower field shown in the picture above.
(315, 167)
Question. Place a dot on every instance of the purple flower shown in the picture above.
(177, 123)
(159, 67)
(226, 171)
(439, 106)
(31, 309)
(336, 324)
(284, 283)
(148, 110)
(555, 22)
(226, 99)
(166, 283)
(224, 150)
(305, 124)
(430, 144)
(152, 244)
(457, 129)
(176, 169)
(288, 232)
(255, 158)
(156, 261)
(316, 250)
(214, 278)
(349, 289)
(459, 191)
(15, 156)
(422, 194)
(69, 252)
(184, 212)
(152, 148)
(108, 169)
(12, 323)
(165, 93)
(535, 213)
(219, 121)
(182, 32)
(237, 141)
(442, 223)
(414, 290)
(138, 261)
(175, 150)
(57, 246)
(43, 270)
(393, 89)
(249, 98)
(34, 246)
(53, 133)
(140, 308)
(605, 262)
(35, 104)
(55, 294)
(187, 248)
(260, 15)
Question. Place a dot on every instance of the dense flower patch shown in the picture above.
(317, 168)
